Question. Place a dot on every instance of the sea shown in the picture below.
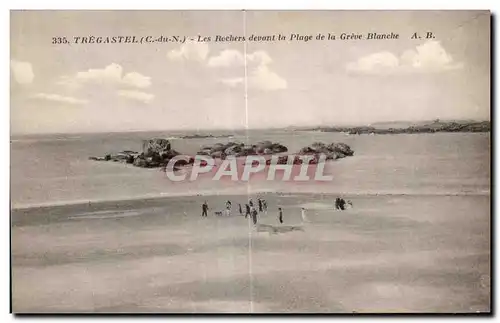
(55, 169)
(417, 239)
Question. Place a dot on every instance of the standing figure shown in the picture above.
(250, 202)
(304, 216)
(239, 208)
(204, 209)
(337, 203)
(254, 215)
(342, 204)
(280, 215)
(260, 204)
(247, 213)
(264, 204)
(228, 208)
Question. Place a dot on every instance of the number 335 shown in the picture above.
(60, 40)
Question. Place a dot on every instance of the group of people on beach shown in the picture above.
(252, 210)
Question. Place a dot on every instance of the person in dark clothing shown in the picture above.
(247, 213)
(254, 215)
(342, 204)
(250, 202)
(337, 204)
(204, 209)
(228, 208)
(239, 208)
(280, 215)
(260, 204)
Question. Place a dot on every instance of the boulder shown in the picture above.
(205, 152)
(331, 151)
(217, 154)
(169, 154)
(156, 153)
(278, 148)
(341, 148)
(96, 158)
(307, 151)
(318, 145)
(264, 144)
(157, 145)
(217, 147)
(140, 162)
(234, 149)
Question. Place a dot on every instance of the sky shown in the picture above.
(69, 88)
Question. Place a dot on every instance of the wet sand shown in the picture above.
(390, 253)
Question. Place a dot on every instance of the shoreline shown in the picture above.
(156, 197)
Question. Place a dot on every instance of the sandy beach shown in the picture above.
(390, 253)
(123, 123)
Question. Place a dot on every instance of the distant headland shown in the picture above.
(198, 136)
(396, 128)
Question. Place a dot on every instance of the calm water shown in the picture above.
(56, 169)
(421, 252)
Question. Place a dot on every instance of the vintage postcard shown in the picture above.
(250, 161)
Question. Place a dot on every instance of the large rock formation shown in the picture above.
(332, 151)
(239, 149)
(155, 146)
(156, 153)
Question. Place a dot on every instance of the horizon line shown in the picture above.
(240, 129)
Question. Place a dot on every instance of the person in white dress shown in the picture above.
(304, 216)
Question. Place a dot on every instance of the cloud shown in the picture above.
(265, 79)
(137, 80)
(260, 57)
(373, 62)
(191, 51)
(22, 72)
(231, 57)
(428, 57)
(69, 82)
(226, 58)
(261, 78)
(111, 74)
(260, 75)
(136, 95)
(59, 98)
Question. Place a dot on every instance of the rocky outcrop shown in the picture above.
(430, 127)
(198, 136)
(156, 153)
(155, 146)
(332, 151)
(239, 149)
